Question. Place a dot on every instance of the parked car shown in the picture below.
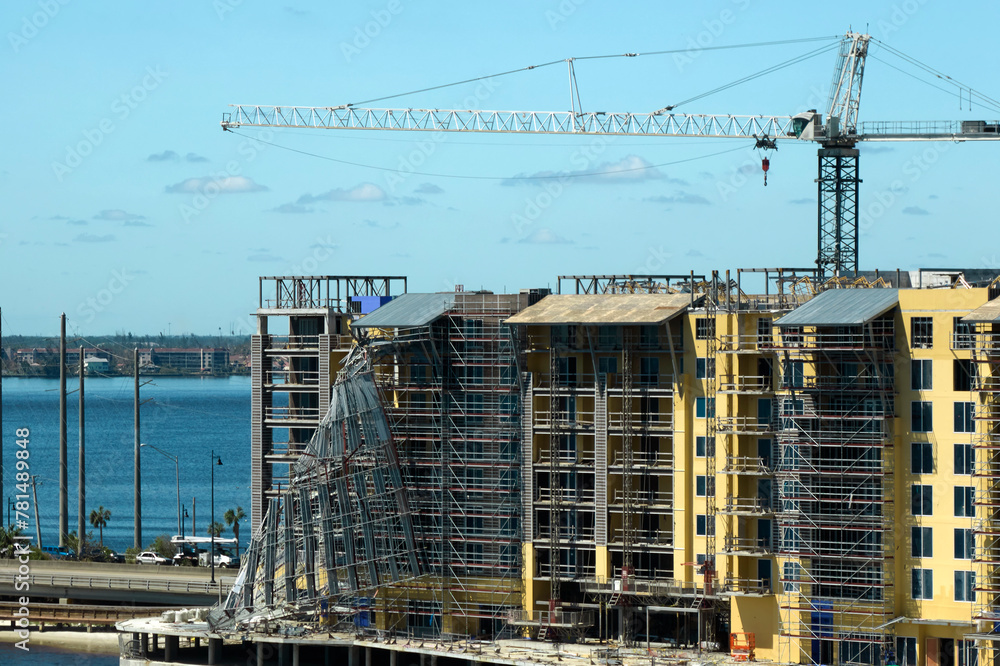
(226, 560)
(149, 557)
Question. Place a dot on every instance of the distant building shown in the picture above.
(94, 365)
(203, 360)
(46, 355)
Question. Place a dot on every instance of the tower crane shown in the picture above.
(838, 177)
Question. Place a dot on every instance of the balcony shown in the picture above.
(645, 459)
(746, 506)
(749, 384)
(748, 546)
(742, 425)
(745, 587)
(748, 466)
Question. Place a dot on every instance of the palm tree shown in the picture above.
(99, 517)
(216, 529)
(233, 518)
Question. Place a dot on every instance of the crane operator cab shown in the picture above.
(808, 126)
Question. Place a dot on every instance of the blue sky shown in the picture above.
(128, 208)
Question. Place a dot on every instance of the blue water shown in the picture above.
(187, 417)
(39, 656)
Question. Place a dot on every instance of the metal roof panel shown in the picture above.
(984, 314)
(842, 307)
(408, 310)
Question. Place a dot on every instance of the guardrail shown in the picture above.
(121, 583)
(79, 614)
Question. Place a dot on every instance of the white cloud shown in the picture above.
(545, 237)
(211, 186)
(363, 192)
(117, 215)
(629, 169)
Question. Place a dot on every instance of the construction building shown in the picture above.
(671, 459)
(292, 370)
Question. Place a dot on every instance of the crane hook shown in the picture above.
(765, 164)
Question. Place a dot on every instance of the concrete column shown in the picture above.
(392, 658)
(260, 653)
(423, 660)
(353, 656)
(295, 654)
(171, 644)
(214, 650)
(434, 660)
(368, 656)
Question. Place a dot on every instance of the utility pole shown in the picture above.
(1, 403)
(63, 462)
(137, 493)
(194, 514)
(81, 489)
(38, 524)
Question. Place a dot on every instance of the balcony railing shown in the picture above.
(749, 465)
(736, 545)
(746, 586)
(746, 506)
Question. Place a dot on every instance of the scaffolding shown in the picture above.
(835, 491)
(983, 338)
(451, 392)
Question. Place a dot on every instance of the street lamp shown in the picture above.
(184, 517)
(216, 460)
(177, 470)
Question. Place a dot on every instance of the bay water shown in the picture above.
(186, 417)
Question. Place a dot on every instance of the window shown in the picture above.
(700, 486)
(964, 496)
(921, 416)
(920, 375)
(608, 337)
(923, 584)
(963, 459)
(963, 417)
(921, 332)
(963, 544)
(906, 650)
(922, 500)
(649, 370)
(764, 411)
(966, 650)
(794, 374)
(699, 447)
(704, 368)
(963, 334)
(704, 408)
(649, 336)
(764, 451)
(964, 374)
(607, 365)
(791, 572)
(562, 334)
(965, 584)
(701, 524)
(921, 458)
(764, 331)
(922, 542)
(704, 328)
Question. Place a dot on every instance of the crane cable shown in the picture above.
(988, 101)
(470, 177)
(556, 62)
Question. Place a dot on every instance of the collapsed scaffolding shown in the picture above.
(343, 528)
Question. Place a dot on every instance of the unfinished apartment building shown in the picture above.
(302, 334)
(813, 464)
(447, 368)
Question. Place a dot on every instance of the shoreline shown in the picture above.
(74, 640)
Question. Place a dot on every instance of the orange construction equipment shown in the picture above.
(741, 646)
